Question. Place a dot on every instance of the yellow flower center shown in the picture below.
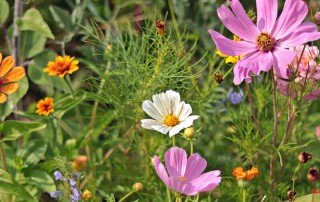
(171, 120)
(265, 42)
(182, 179)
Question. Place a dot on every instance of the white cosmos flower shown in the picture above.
(168, 112)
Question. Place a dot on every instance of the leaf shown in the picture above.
(32, 43)
(42, 180)
(61, 17)
(33, 151)
(7, 108)
(307, 198)
(4, 10)
(32, 20)
(15, 129)
(9, 186)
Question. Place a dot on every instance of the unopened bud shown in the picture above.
(313, 174)
(189, 133)
(86, 195)
(79, 163)
(304, 157)
(138, 186)
(317, 18)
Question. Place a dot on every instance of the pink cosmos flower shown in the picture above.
(183, 174)
(306, 74)
(266, 44)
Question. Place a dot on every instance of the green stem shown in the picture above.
(3, 158)
(244, 195)
(68, 82)
(174, 20)
(65, 127)
(174, 141)
(197, 198)
(54, 133)
(168, 195)
(126, 196)
(191, 147)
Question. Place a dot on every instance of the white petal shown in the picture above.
(161, 128)
(148, 123)
(188, 121)
(185, 112)
(177, 108)
(159, 105)
(174, 99)
(151, 110)
(175, 130)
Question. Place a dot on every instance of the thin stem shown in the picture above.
(294, 178)
(174, 141)
(275, 131)
(197, 198)
(126, 196)
(3, 158)
(17, 12)
(68, 82)
(253, 111)
(54, 133)
(168, 195)
(191, 146)
(244, 195)
(174, 20)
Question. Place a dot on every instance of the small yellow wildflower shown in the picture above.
(86, 195)
(79, 163)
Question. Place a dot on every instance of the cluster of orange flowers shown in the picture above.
(239, 173)
(61, 66)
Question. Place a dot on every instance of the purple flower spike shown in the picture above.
(56, 194)
(72, 183)
(58, 175)
(185, 175)
(75, 196)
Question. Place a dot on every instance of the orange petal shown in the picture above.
(9, 88)
(6, 65)
(0, 57)
(14, 75)
(3, 98)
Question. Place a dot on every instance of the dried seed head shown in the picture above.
(304, 157)
(313, 174)
(161, 27)
(317, 18)
(218, 77)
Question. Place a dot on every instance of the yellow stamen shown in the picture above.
(265, 42)
(182, 179)
(171, 120)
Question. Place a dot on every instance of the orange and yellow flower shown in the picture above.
(61, 66)
(239, 173)
(9, 76)
(79, 163)
(86, 195)
(45, 106)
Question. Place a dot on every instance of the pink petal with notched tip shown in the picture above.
(207, 181)
(267, 11)
(195, 166)
(282, 57)
(176, 161)
(304, 33)
(236, 26)
(294, 12)
(229, 47)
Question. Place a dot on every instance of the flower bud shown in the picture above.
(86, 195)
(189, 133)
(291, 195)
(218, 77)
(313, 174)
(79, 163)
(304, 157)
(317, 18)
(138, 186)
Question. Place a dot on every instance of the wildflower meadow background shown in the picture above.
(159, 100)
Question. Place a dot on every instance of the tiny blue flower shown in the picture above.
(56, 194)
(58, 175)
(235, 97)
